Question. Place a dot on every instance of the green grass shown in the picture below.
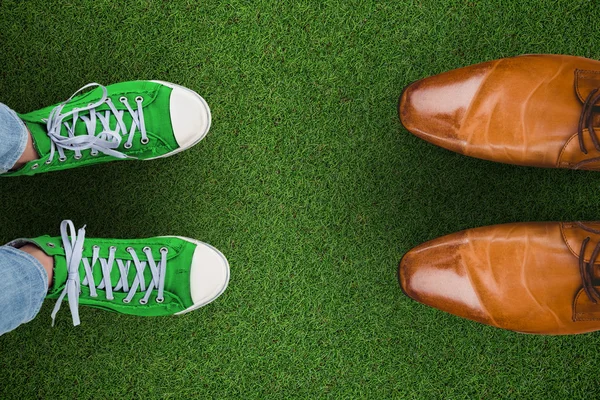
(309, 185)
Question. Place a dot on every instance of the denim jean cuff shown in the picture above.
(39, 281)
(13, 138)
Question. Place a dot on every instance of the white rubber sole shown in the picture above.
(224, 275)
(206, 129)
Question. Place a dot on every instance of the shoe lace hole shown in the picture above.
(48, 161)
(146, 248)
(130, 248)
(62, 159)
(50, 245)
(34, 166)
(123, 99)
(126, 301)
(164, 250)
(127, 145)
(145, 140)
(139, 99)
(160, 299)
(142, 301)
(77, 157)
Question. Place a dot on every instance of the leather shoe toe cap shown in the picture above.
(435, 108)
(434, 274)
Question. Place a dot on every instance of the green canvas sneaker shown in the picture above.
(147, 277)
(138, 120)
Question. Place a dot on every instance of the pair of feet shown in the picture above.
(538, 110)
(131, 120)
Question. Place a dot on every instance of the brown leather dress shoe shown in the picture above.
(536, 110)
(527, 277)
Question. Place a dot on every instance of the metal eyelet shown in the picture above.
(164, 250)
(139, 98)
(34, 166)
(77, 157)
(50, 245)
(142, 301)
(146, 248)
(126, 301)
(130, 248)
(123, 99)
(94, 154)
(62, 159)
(160, 299)
(113, 248)
(127, 145)
(48, 161)
(144, 140)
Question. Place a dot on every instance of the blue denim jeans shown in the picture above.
(13, 138)
(23, 287)
(23, 279)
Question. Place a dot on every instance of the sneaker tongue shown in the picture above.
(41, 141)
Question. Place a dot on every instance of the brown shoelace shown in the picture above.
(587, 270)
(586, 120)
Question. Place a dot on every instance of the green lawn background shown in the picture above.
(307, 182)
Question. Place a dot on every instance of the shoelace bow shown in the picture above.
(586, 120)
(107, 140)
(73, 247)
(587, 271)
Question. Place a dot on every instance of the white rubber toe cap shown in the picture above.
(190, 115)
(209, 275)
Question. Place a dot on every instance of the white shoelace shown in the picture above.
(73, 253)
(107, 140)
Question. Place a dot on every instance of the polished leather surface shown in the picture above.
(523, 276)
(523, 110)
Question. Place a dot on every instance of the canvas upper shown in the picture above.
(146, 277)
(129, 120)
